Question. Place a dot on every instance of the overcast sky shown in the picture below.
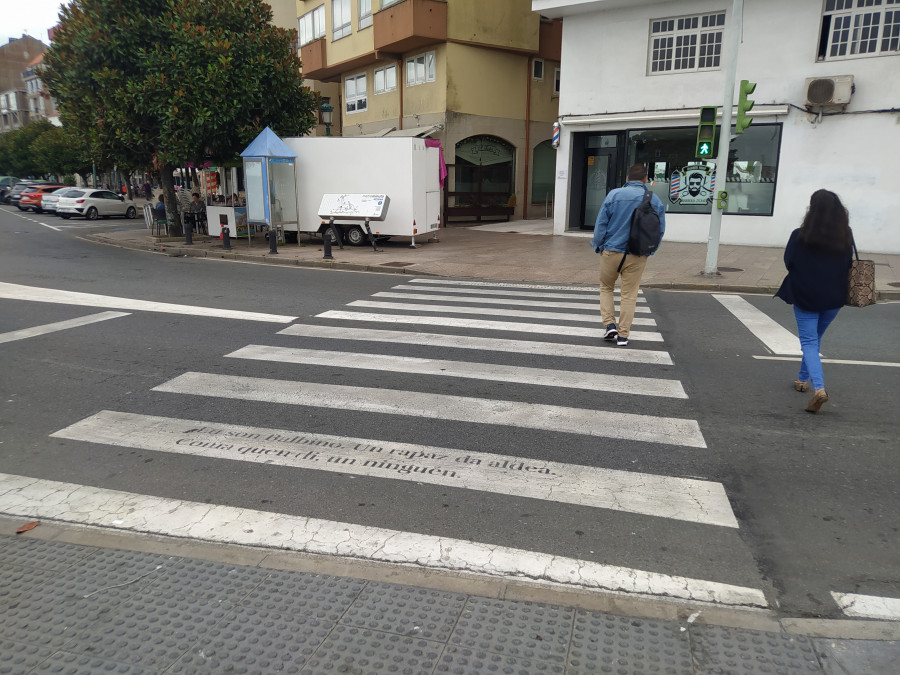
(29, 17)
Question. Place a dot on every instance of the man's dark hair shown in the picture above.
(196, 194)
(637, 172)
(826, 226)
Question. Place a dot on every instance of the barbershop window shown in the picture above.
(686, 184)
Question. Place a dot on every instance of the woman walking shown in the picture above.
(817, 258)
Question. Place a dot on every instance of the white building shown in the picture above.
(636, 72)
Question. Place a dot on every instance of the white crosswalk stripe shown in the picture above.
(594, 296)
(588, 306)
(500, 284)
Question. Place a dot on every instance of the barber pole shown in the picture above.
(555, 142)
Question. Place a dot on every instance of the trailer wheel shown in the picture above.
(356, 236)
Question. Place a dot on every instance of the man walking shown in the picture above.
(610, 241)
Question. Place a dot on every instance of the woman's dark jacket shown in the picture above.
(816, 281)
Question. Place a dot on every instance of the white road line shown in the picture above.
(584, 421)
(51, 500)
(545, 377)
(868, 606)
(497, 284)
(490, 311)
(485, 291)
(844, 362)
(557, 349)
(35, 294)
(772, 334)
(59, 325)
(51, 227)
(483, 324)
(592, 306)
(695, 501)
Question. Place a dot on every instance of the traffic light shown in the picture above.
(706, 132)
(744, 106)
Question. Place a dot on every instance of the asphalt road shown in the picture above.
(815, 496)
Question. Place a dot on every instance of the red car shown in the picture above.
(32, 197)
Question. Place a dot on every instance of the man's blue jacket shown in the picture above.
(614, 220)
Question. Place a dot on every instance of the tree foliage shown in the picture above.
(16, 158)
(164, 83)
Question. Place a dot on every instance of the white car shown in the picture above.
(51, 201)
(93, 204)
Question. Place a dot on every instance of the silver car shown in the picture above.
(93, 204)
(50, 201)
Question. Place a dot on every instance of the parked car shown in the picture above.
(52, 199)
(32, 198)
(21, 186)
(93, 204)
(7, 183)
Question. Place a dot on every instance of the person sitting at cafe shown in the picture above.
(197, 212)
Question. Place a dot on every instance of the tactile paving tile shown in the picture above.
(604, 643)
(314, 595)
(462, 661)
(727, 651)
(255, 641)
(522, 629)
(349, 649)
(404, 610)
(16, 580)
(20, 657)
(69, 663)
(207, 579)
(150, 628)
(49, 555)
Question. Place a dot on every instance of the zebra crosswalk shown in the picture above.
(551, 379)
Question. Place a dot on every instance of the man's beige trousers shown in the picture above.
(631, 274)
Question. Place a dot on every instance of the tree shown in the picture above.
(15, 150)
(164, 83)
(56, 152)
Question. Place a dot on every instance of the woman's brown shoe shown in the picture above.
(801, 386)
(816, 401)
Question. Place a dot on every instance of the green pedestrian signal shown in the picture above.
(706, 132)
(744, 106)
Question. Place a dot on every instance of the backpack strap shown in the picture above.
(644, 200)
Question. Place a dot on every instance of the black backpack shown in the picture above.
(646, 233)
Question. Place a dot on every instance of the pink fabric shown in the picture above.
(434, 143)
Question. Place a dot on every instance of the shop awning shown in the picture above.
(414, 132)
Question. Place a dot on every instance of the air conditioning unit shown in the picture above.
(825, 91)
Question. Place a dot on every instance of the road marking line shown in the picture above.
(35, 294)
(545, 377)
(88, 505)
(485, 291)
(496, 284)
(692, 500)
(845, 362)
(772, 334)
(868, 606)
(59, 325)
(558, 349)
(584, 421)
(51, 227)
(490, 311)
(483, 324)
(588, 306)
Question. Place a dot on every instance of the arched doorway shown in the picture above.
(543, 170)
(484, 178)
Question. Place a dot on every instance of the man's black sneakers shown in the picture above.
(610, 333)
(621, 341)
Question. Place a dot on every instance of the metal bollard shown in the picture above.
(326, 244)
(273, 241)
(226, 238)
(188, 233)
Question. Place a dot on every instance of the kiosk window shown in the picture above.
(686, 184)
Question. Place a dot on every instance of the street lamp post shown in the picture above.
(327, 111)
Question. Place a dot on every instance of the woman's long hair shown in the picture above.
(826, 226)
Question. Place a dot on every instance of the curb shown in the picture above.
(468, 583)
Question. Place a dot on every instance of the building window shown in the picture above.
(420, 69)
(854, 28)
(556, 81)
(537, 69)
(365, 13)
(340, 19)
(385, 79)
(312, 25)
(388, 3)
(686, 184)
(687, 43)
(355, 93)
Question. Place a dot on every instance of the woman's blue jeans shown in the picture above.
(811, 327)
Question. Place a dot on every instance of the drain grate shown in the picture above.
(397, 264)
(730, 269)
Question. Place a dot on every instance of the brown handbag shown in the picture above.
(860, 282)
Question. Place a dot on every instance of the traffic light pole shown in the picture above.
(735, 28)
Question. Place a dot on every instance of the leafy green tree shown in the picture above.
(56, 152)
(15, 150)
(163, 83)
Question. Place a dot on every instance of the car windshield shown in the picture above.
(75, 193)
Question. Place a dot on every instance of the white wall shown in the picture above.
(604, 70)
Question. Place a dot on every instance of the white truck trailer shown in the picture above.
(404, 169)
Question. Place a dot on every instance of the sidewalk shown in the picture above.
(515, 251)
(78, 600)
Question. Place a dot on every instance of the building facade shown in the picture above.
(637, 73)
(481, 77)
(37, 98)
(16, 57)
